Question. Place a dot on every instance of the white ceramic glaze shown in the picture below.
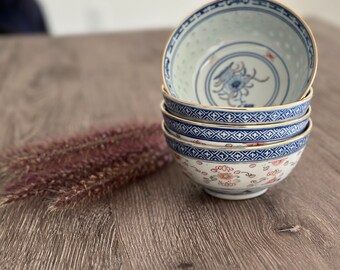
(225, 180)
(248, 53)
(238, 174)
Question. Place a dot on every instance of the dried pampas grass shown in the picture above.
(83, 167)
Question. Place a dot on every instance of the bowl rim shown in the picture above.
(308, 97)
(303, 22)
(242, 148)
(234, 125)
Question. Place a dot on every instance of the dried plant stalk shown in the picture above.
(75, 143)
(85, 166)
(38, 157)
(47, 181)
(112, 178)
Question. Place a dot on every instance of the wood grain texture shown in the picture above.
(51, 87)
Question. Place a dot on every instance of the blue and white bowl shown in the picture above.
(237, 174)
(240, 54)
(240, 116)
(214, 134)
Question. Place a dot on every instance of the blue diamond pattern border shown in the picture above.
(236, 156)
(234, 135)
(190, 112)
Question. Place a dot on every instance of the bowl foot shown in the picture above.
(236, 196)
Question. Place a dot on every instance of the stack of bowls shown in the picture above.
(237, 87)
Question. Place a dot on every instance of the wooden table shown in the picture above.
(55, 86)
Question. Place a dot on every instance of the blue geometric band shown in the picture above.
(236, 156)
(235, 135)
(216, 116)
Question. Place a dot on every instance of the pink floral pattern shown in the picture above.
(231, 176)
(278, 162)
(226, 176)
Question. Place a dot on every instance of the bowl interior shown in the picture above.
(240, 54)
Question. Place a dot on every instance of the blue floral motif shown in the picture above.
(264, 6)
(233, 84)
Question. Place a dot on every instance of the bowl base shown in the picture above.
(236, 196)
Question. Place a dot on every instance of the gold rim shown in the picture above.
(305, 133)
(241, 127)
(304, 23)
(269, 108)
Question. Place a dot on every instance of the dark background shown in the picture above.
(21, 16)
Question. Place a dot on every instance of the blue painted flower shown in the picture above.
(237, 82)
(233, 84)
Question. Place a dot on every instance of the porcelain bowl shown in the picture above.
(203, 142)
(240, 53)
(239, 116)
(221, 134)
(237, 174)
